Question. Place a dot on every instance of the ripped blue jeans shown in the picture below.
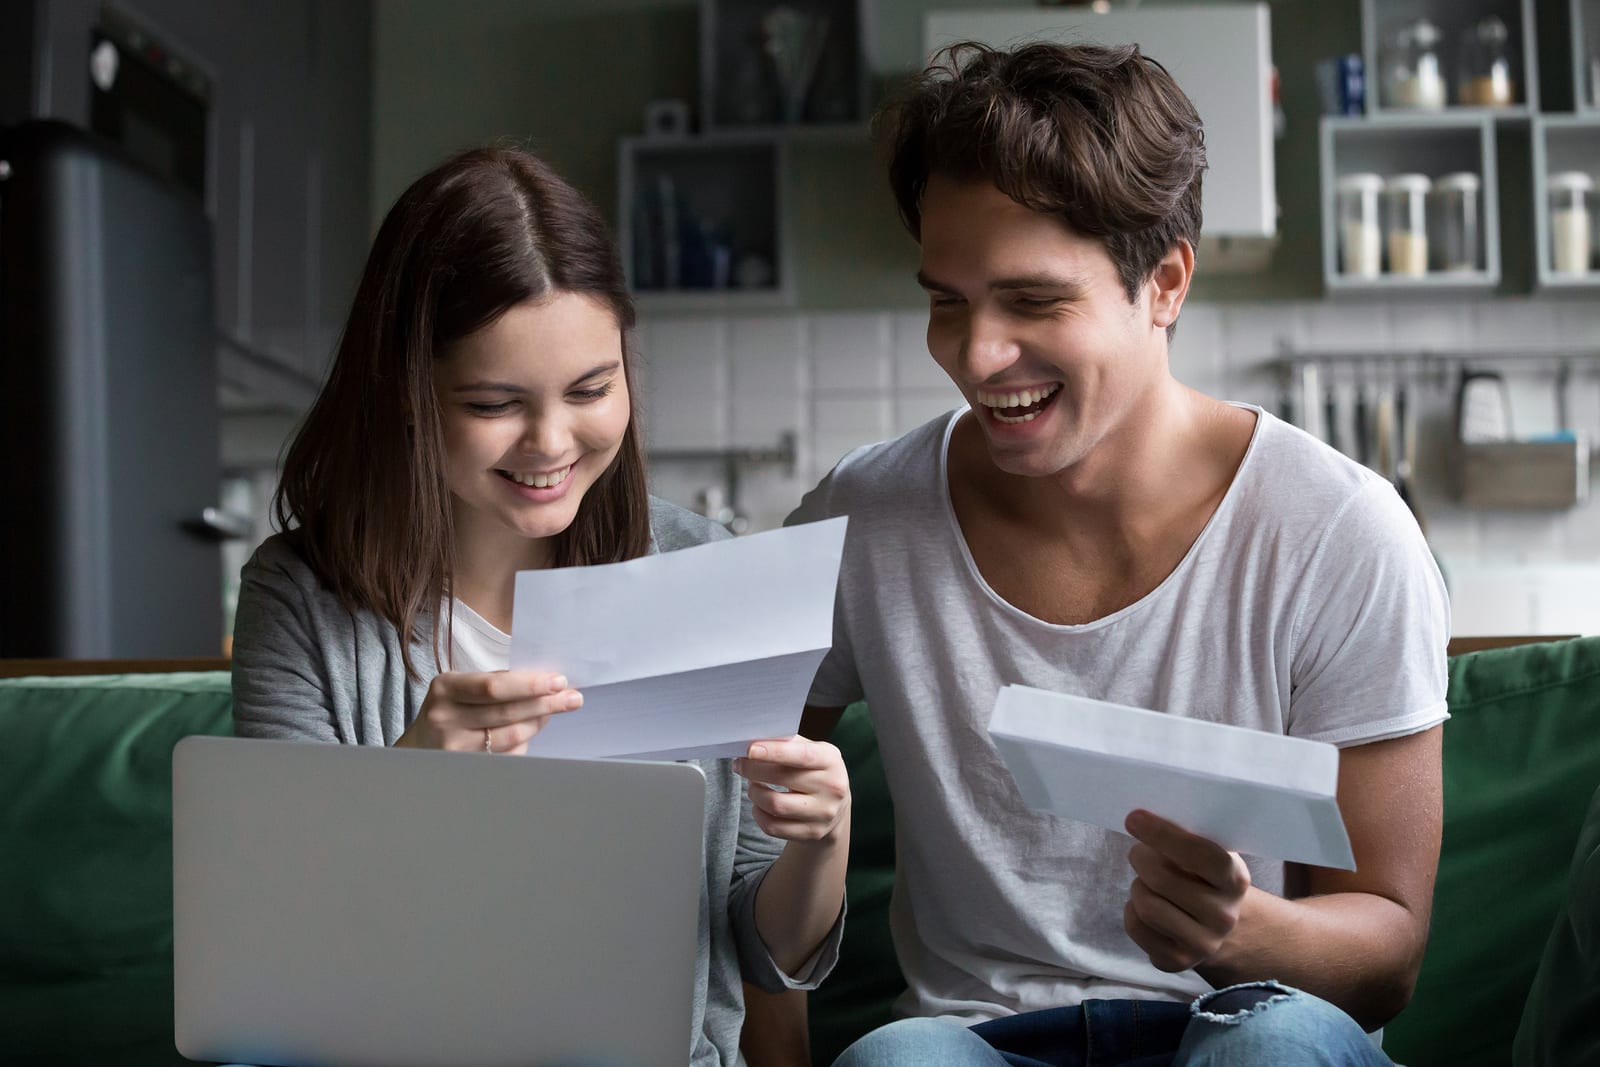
(1250, 1025)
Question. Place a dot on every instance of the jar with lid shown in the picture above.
(1360, 231)
(1412, 75)
(1570, 193)
(1405, 201)
(1454, 225)
(1484, 77)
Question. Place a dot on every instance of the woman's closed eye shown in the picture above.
(596, 392)
(490, 409)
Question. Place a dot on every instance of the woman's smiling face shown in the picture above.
(534, 408)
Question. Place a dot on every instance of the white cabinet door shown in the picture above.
(1221, 55)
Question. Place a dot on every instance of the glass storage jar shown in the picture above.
(1412, 74)
(1454, 226)
(1571, 195)
(1405, 200)
(1360, 230)
(1484, 74)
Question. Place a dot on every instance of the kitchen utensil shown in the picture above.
(1483, 407)
(1363, 427)
(1330, 415)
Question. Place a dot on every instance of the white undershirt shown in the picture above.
(476, 644)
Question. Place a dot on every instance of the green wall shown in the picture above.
(452, 74)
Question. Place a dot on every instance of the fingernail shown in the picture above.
(758, 751)
(560, 682)
(574, 700)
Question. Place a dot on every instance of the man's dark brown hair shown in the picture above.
(363, 483)
(1101, 138)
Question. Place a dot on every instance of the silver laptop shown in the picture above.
(342, 906)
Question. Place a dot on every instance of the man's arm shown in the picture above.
(1353, 938)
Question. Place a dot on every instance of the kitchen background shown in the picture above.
(804, 335)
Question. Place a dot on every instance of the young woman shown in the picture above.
(480, 420)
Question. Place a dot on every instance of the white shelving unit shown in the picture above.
(1434, 145)
(1585, 15)
(1562, 143)
(701, 224)
(1380, 18)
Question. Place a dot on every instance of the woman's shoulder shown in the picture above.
(280, 557)
(673, 527)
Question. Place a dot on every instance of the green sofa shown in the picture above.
(85, 859)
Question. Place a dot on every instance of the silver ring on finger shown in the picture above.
(486, 746)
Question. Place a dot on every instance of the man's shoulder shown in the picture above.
(1297, 482)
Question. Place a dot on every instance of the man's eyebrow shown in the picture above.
(1069, 286)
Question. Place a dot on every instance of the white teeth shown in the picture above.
(540, 481)
(1016, 400)
(1029, 417)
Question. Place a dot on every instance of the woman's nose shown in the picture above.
(545, 438)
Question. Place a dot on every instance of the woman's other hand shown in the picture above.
(491, 711)
(813, 801)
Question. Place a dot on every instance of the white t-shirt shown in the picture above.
(1309, 605)
(476, 644)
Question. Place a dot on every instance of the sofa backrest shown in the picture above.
(1521, 759)
(86, 874)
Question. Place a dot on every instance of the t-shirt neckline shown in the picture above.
(1184, 564)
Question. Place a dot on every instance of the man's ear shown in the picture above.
(1169, 284)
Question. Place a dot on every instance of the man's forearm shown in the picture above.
(1358, 951)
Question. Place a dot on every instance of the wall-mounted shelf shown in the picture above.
(1380, 19)
(768, 65)
(1585, 35)
(700, 223)
(1565, 143)
(1435, 146)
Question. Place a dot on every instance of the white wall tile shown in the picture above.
(1196, 356)
(1520, 537)
(851, 351)
(913, 407)
(767, 355)
(686, 406)
(1434, 327)
(914, 368)
(843, 422)
(1513, 323)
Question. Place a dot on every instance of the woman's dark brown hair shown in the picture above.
(1101, 138)
(364, 479)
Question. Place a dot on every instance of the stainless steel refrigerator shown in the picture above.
(109, 448)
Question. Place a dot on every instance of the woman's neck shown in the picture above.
(483, 575)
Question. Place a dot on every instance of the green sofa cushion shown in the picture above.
(86, 882)
(1521, 758)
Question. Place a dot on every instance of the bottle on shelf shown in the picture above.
(1484, 78)
(1412, 75)
(1406, 224)
(1455, 222)
(1360, 231)
(1570, 194)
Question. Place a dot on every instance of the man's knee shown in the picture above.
(1268, 1022)
(918, 1041)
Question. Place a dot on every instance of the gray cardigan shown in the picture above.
(306, 669)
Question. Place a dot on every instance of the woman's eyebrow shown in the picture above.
(489, 387)
(604, 368)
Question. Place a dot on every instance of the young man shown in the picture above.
(1092, 526)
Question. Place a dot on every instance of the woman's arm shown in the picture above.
(801, 897)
